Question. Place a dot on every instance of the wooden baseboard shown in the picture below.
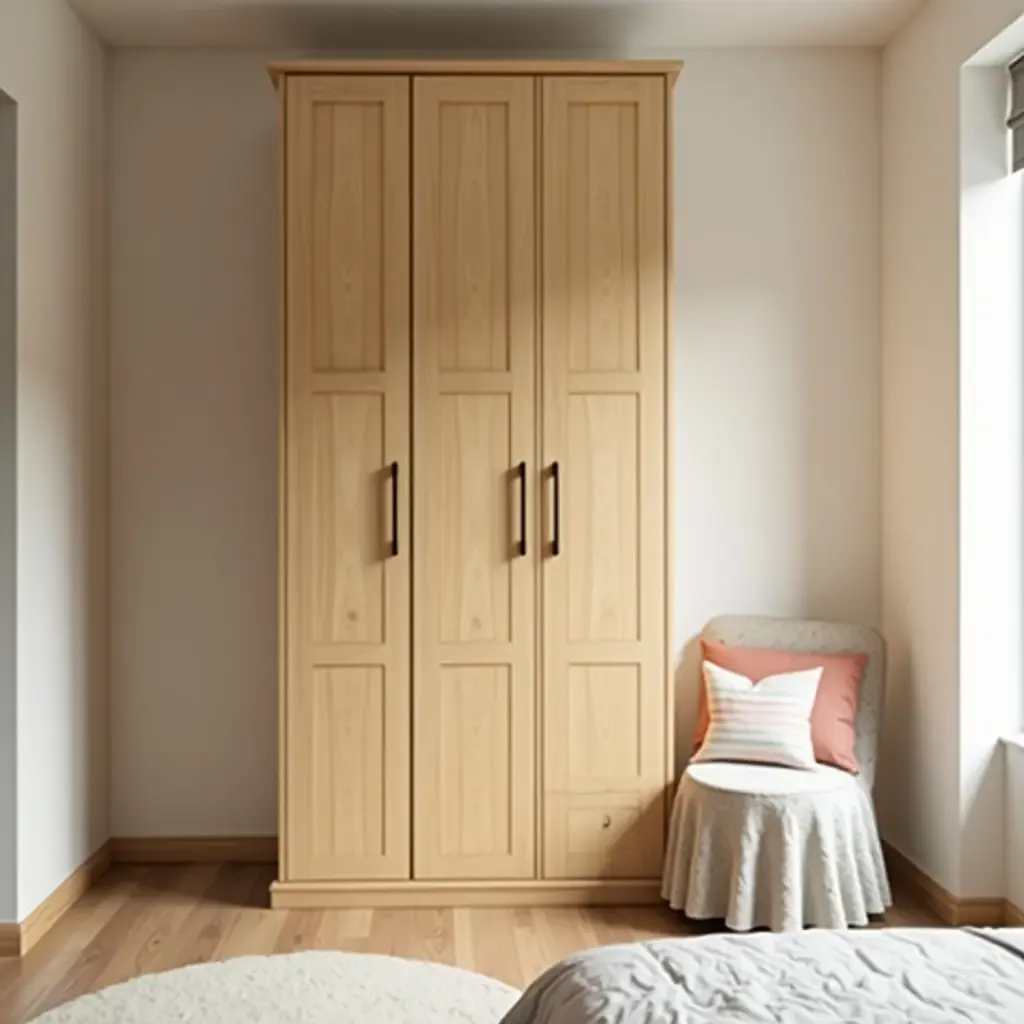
(1014, 916)
(63, 898)
(953, 910)
(18, 939)
(194, 849)
(320, 895)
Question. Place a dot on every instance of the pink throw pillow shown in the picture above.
(833, 719)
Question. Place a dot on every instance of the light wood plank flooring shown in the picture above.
(143, 919)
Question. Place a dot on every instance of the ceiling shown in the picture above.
(625, 27)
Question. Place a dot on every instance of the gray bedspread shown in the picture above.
(894, 976)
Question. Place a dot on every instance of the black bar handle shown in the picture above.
(394, 509)
(556, 543)
(521, 470)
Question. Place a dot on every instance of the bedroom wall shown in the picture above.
(951, 480)
(54, 748)
(776, 392)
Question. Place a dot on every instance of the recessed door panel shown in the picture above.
(474, 437)
(345, 800)
(603, 344)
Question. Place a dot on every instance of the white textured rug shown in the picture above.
(298, 988)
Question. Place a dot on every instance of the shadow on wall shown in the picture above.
(440, 28)
(194, 408)
(687, 689)
(901, 742)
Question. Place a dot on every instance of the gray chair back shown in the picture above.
(811, 637)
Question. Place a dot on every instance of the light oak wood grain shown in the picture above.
(536, 731)
(346, 797)
(482, 893)
(10, 938)
(141, 918)
(475, 421)
(604, 338)
(279, 70)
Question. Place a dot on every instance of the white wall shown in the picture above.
(951, 685)
(777, 405)
(777, 341)
(54, 70)
(991, 468)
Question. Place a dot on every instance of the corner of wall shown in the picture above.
(57, 71)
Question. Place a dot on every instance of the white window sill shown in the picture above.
(1015, 741)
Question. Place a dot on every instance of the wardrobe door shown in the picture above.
(474, 447)
(347, 693)
(603, 343)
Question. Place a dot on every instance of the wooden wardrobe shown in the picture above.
(475, 687)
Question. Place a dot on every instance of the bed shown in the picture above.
(894, 976)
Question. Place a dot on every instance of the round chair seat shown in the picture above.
(760, 846)
(766, 780)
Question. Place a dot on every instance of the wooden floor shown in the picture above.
(144, 919)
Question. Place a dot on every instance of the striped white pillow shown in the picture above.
(768, 722)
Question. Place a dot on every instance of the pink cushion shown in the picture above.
(833, 728)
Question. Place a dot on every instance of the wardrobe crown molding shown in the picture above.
(280, 69)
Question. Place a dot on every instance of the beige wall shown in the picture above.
(777, 392)
(54, 71)
(193, 378)
(941, 803)
(777, 341)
